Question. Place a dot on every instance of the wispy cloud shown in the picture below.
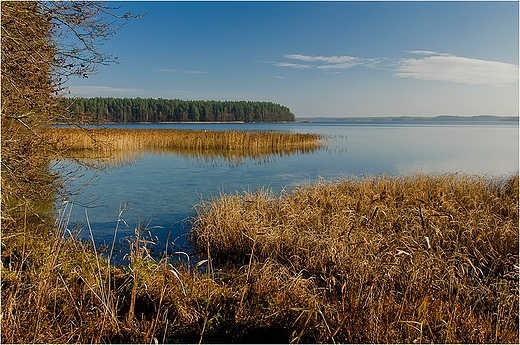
(343, 65)
(428, 65)
(425, 52)
(172, 70)
(329, 59)
(458, 69)
(293, 65)
(321, 62)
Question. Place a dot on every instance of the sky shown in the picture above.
(320, 59)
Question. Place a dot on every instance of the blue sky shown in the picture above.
(334, 59)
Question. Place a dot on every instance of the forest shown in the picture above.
(133, 110)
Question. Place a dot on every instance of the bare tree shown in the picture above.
(43, 45)
(79, 29)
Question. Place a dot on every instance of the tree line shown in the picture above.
(133, 110)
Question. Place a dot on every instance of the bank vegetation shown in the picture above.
(415, 259)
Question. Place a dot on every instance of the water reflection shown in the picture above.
(113, 159)
(162, 185)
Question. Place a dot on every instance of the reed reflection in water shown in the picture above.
(112, 147)
(108, 149)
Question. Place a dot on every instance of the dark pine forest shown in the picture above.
(133, 110)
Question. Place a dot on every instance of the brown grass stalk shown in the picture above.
(231, 145)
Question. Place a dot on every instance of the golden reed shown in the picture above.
(383, 260)
(138, 139)
(233, 146)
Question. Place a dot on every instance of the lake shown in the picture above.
(160, 189)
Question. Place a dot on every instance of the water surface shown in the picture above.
(160, 189)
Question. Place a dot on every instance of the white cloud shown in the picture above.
(424, 52)
(299, 57)
(331, 62)
(344, 65)
(458, 70)
(430, 65)
(329, 59)
(292, 65)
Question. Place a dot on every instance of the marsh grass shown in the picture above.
(377, 260)
(120, 145)
(391, 260)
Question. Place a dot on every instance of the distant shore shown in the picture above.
(371, 119)
(171, 123)
(193, 122)
(440, 118)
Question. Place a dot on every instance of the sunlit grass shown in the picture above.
(384, 260)
(233, 146)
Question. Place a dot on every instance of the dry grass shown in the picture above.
(412, 259)
(376, 260)
(233, 146)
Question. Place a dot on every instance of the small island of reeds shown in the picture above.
(230, 145)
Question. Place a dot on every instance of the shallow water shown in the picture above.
(160, 189)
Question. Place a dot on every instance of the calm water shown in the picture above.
(159, 189)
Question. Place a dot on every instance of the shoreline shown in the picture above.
(167, 123)
(482, 119)
(398, 119)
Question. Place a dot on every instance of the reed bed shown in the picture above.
(390, 260)
(415, 259)
(230, 145)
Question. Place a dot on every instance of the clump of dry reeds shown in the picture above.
(57, 289)
(410, 259)
(387, 260)
(231, 145)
